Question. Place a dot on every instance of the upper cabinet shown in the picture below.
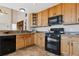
(69, 13)
(51, 12)
(77, 12)
(56, 10)
(33, 19)
(39, 19)
(44, 19)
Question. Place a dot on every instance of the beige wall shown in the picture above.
(5, 18)
(12, 17)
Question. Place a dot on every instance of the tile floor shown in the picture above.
(31, 51)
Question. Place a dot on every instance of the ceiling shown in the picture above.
(29, 7)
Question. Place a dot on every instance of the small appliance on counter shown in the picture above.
(52, 40)
(56, 20)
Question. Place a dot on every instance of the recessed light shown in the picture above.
(22, 9)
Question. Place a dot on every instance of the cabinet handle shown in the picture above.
(72, 48)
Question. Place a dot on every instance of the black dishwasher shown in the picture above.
(7, 44)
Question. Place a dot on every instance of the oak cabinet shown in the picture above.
(39, 22)
(70, 45)
(75, 48)
(39, 40)
(44, 19)
(29, 40)
(77, 12)
(51, 12)
(55, 11)
(19, 42)
(36, 40)
(33, 19)
(24, 40)
(65, 46)
(69, 13)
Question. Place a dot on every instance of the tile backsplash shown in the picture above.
(5, 26)
(67, 28)
(71, 28)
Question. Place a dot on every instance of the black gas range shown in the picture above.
(52, 40)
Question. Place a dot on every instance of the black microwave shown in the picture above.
(55, 20)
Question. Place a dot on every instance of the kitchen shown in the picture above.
(48, 29)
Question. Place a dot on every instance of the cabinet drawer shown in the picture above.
(19, 36)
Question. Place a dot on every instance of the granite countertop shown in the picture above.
(7, 33)
(14, 34)
(71, 34)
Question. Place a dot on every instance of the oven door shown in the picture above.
(53, 45)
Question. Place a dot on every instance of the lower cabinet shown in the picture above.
(70, 45)
(39, 40)
(24, 40)
(75, 46)
(29, 40)
(65, 46)
(20, 43)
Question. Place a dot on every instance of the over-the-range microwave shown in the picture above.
(55, 20)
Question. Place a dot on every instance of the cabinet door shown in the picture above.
(20, 43)
(40, 40)
(51, 12)
(32, 39)
(75, 48)
(65, 46)
(44, 18)
(39, 19)
(77, 12)
(37, 39)
(29, 40)
(57, 10)
(69, 13)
